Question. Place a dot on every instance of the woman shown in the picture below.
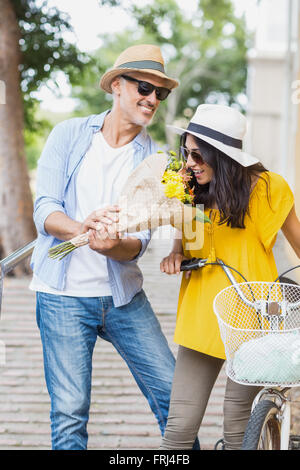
(247, 206)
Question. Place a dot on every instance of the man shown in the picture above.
(97, 290)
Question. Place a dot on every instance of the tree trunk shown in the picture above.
(16, 207)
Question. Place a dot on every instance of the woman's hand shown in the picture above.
(171, 264)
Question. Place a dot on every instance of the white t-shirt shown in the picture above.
(100, 180)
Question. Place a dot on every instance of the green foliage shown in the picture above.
(90, 99)
(44, 51)
(112, 3)
(206, 52)
(211, 46)
(44, 121)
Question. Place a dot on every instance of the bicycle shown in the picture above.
(253, 316)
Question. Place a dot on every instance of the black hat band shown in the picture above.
(208, 132)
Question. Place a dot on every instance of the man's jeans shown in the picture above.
(69, 327)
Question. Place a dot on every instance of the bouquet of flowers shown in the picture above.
(157, 193)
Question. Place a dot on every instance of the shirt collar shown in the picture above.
(97, 120)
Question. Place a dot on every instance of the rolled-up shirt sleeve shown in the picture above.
(144, 237)
(51, 177)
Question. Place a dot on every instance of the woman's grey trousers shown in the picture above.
(194, 378)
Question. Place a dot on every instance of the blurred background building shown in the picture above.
(274, 96)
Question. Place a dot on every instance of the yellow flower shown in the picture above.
(175, 189)
(171, 175)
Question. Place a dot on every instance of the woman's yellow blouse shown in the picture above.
(248, 250)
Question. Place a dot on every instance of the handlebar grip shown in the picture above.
(190, 264)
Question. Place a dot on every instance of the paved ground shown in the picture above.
(119, 417)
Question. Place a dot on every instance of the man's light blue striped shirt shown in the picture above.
(58, 167)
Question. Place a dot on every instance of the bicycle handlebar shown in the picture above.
(192, 264)
(196, 263)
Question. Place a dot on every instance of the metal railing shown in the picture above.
(11, 261)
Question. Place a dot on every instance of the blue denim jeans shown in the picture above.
(69, 327)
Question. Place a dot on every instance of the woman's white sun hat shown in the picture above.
(222, 127)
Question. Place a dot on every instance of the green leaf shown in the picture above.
(201, 217)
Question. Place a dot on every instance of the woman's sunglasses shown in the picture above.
(195, 155)
(146, 88)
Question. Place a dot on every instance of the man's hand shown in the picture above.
(101, 217)
(64, 228)
(104, 239)
(171, 264)
(107, 241)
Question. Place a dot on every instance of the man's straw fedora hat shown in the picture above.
(222, 127)
(144, 58)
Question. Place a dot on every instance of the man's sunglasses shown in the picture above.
(195, 155)
(146, 88)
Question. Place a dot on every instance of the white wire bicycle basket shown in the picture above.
(260, 327)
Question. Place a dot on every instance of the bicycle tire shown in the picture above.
(263, 428)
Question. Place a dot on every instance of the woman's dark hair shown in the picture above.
(230, 186)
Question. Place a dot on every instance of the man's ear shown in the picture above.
(115, 85)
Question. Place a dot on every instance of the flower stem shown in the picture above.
(61, 250)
